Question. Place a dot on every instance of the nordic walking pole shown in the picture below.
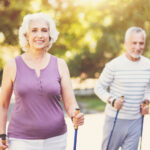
(112, 129)
(141, 131)
(107, 148)
(76, 130)
(142, 123)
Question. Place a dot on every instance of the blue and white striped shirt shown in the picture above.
(125, 78)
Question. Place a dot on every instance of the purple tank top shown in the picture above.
(37, 113)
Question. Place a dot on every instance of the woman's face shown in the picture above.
(38, 34)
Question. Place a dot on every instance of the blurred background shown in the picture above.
(91, 34)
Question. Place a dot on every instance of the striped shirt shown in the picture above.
(122, 77)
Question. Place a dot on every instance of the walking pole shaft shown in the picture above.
(112, 129)
(75, 139)
(141, 131)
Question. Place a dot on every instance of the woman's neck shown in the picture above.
(36, 55)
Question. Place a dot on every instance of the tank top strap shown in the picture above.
(19, 63)
(53, 60)
(54, 65)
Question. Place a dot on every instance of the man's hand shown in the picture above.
(144, 107)
(119, 103)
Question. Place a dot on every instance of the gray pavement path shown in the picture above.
(90, 134)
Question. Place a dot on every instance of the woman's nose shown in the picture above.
(39, 34)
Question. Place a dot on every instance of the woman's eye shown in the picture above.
(34, 30)
(44, 30)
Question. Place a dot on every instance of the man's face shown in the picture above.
(135, 45)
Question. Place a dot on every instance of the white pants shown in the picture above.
(54, 143)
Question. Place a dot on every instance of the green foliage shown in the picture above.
(91, 103)
(11, 15)
(91, 32)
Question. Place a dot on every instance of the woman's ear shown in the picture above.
(26, 36)
(50, 38)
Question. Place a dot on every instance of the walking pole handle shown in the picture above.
(76, 112)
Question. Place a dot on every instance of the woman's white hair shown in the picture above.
(135, 30)
(25, 27)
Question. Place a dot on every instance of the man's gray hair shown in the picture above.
(135, 30)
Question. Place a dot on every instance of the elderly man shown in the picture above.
(124, 86)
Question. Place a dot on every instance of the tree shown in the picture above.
(91, 32)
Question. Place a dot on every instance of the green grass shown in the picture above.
(92, 102)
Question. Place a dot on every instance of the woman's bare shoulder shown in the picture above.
(62, 63)
(10, 69)
(62, 66)
(11, 64)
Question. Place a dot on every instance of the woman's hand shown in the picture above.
(78, 119)
(3, 144)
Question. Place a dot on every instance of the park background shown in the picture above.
(91, 33)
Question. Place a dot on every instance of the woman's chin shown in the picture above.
(40, 47)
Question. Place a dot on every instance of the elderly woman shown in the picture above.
(39, 81)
